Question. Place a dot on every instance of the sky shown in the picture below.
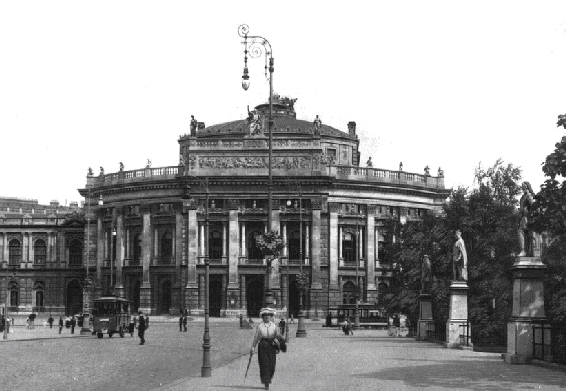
(440, 83)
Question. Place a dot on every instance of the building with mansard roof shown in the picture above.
(147, 226)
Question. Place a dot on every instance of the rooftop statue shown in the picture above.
(121, 166)
(440, 172)
(194, 124)
(101, 170)
(254, 122)
(525, 234)
(148, 163)
(90, 171)
(317, 124)
(400, 166)
(459, 259)
(427, 171)
(369, 162)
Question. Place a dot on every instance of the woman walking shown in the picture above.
(266, 335)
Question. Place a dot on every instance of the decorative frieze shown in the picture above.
(286, 162)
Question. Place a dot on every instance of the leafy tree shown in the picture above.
(75, 218)
(486, 216)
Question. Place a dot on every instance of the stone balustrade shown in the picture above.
(258, 167)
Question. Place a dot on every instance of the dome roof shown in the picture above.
(284, 117)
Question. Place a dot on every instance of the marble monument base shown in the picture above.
(458, 315)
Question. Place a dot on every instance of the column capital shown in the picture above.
(316, 204)
(334, 207)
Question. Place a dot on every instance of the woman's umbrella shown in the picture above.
(249, 362)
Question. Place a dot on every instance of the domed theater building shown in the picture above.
(150, 222)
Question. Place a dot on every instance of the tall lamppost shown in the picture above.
(357, 292)
(206, 370)
(253, 45)
(301, 329)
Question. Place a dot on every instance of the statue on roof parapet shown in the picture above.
(148, 163)
(427, 171)
(317, 124)
(194, 123)
(90, 173)
(121, 166)
(254, 122)
(369, 163)
(440, 172)
(101, 170)
(400, 166)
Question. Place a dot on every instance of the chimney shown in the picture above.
(352, 128)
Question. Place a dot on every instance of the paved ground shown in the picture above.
(325, 360)
(329, 360)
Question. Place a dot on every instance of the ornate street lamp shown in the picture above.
(357, 291)
(87, 283)
(206, 370)
(253, 45)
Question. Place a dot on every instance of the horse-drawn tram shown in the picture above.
(111, 314)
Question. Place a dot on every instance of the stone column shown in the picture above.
(243, 240)
(284, 236)
(371, 289)
(315, 261)
(376, 246)
(145, 290)
(457, 313)
(339, 244)
(128, 248)
(224, 243)
(201, 240)
(275, 212)
(62, 256)
(99, 250)
(307, 240)
(233, 248)
(120, 250)
(334, 247)
(191, 289)
(155, 254)
(243, 306)
(528, 309)
(5, 250)
(177, 291)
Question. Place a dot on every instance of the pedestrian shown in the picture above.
(132, 326)
(73, 324)
(292, 320)
(349, 328)
(181, 323)
(268, 337)
(141, 328)
(50, 321)
(185, 323)
(282, 326)
(27, 323)
(60, 324)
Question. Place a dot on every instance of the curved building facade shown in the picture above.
(147, 228)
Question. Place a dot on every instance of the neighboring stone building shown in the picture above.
(150, 226)
(41, 256)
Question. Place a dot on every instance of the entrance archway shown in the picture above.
(294, 299)
(74, 298)
(165, 297)
(215, 295)
(254, 296)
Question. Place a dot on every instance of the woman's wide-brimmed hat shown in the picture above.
(267, 311)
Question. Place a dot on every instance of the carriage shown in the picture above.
(111, 314)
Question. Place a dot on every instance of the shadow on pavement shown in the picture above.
(473, 375)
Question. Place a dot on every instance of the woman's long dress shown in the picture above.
(266, 354)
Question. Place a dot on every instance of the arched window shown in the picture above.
(295, 244)
(253, 251)
(75, 253)
(40, 252)
(15, 252)
(349, 248)
(137, 250)
(166, 247)
(348, 293)
(215, 245)
(14, 289)
(39, 289)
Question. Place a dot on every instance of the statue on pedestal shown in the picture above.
(101, 170)
(440, 172)
(426, 275)
(525, 234)
(459, 259)
(400, 166)
(369, 163)
(121, 166)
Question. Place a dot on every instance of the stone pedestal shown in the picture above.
(145, 298)
(425, 315)
(528, 309)
(458, 314)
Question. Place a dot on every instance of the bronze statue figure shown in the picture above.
(426, 275)
(525, 234)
